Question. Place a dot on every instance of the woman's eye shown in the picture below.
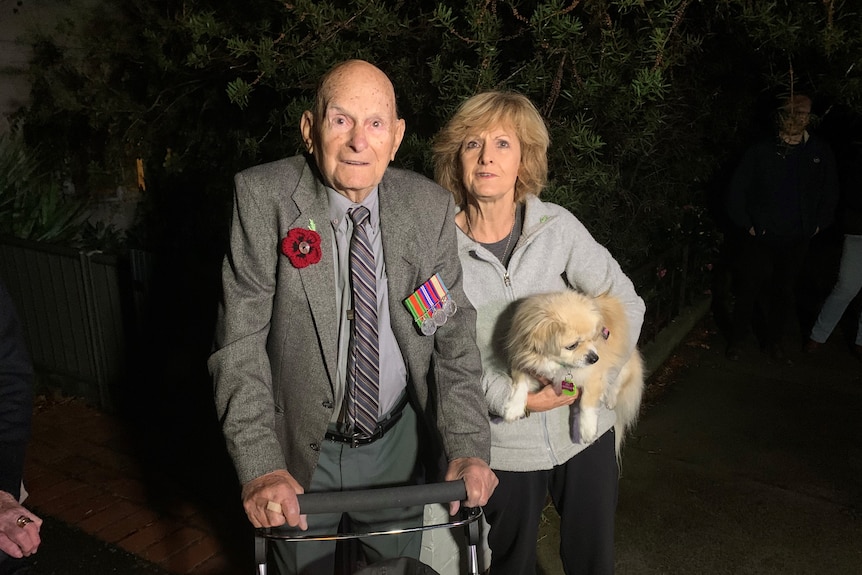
(471, 144)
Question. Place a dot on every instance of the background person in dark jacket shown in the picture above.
(19, 528)
(783, 192)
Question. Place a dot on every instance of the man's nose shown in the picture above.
(358, 140)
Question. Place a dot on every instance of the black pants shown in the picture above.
(766, 271)
(584, 492)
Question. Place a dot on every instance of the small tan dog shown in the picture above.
(576, 341)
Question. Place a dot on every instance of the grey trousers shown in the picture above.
(389, 461)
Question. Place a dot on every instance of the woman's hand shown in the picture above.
(547, 398)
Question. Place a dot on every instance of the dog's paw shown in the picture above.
(610, 397)
(588, 425)
(516, 405)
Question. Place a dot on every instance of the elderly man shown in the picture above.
(782, 193)
(324, 358)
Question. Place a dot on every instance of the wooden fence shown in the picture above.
(76, 309)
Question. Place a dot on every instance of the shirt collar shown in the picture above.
(340, 205)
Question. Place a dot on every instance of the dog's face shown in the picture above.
(566, 328)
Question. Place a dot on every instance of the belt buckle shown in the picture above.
(356, 439)
(362, 440)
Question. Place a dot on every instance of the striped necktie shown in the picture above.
(363, 367)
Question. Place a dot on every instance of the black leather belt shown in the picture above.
(383, 426)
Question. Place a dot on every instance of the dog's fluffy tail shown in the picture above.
(628, 401)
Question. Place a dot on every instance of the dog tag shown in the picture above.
(568, 385)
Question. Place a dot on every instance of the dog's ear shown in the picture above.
(613, 316)
(548, 333)
(534, 331)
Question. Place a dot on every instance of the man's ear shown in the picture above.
(306, 127)
(400, 127)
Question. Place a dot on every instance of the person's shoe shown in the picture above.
(812, 346)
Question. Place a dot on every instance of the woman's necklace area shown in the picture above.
(511, 231)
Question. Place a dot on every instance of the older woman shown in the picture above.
(492, 156)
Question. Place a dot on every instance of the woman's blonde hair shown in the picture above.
(485, 111)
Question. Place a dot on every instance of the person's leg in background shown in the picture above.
(750, 269)
(846, 288)
(787, 259)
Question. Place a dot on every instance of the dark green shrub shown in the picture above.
(33, 202)
(646, 101)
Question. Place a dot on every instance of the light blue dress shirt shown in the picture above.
(393, 372)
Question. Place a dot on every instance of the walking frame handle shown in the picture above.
(373, 499)
(382, 498)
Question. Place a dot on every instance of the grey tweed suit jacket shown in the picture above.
(275, 346)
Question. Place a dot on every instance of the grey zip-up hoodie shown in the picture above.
(555, 252)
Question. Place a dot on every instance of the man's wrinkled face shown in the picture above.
(358, 132)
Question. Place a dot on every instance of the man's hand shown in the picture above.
(19, 528)
(270, 500)
(478, 478)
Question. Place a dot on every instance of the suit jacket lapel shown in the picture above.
(400, 250)
(318, 280)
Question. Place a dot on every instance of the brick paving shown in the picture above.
(82, 469)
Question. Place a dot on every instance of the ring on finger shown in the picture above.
(23, 521)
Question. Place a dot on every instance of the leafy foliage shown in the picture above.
(33, 204)
(647, 102)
